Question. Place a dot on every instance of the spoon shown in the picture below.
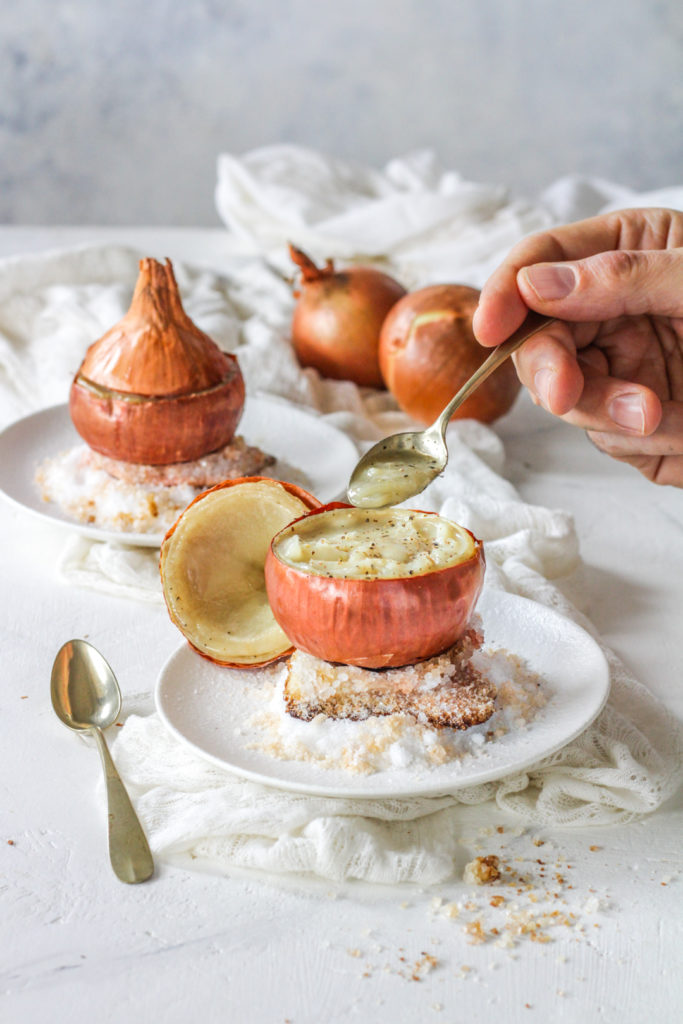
(86, 696)
(402, 465)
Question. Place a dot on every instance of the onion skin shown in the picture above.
(304, 496)
(380, 623)
(155, 389)
(158, 430)
(427, 351)
(338, 317)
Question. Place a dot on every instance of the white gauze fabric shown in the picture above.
(427, 220)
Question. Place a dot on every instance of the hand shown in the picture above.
(614, 364)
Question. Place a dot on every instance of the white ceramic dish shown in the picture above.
(309, 452)
(205, 706)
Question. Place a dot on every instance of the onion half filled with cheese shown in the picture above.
(373, 587)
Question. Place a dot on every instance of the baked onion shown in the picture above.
(427, 351)
(155, 389)
(338, 317)
(395, 605)
(211, 567)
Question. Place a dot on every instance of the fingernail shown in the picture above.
(542, 382)
(551, 280)
(627, 411)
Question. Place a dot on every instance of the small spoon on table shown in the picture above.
(86, 695)
(402, 465)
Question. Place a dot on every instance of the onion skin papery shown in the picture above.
(427, 351)
(338, 317)
(306, 498)
(155, 389)
(378, 623)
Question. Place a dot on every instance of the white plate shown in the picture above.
(205, 705)
(309, 451)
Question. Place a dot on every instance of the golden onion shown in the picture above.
(155, 389)
(427, 351)
(338, 317)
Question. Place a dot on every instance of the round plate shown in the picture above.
(309, 452)
(206, 706)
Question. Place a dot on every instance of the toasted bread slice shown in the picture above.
(446, 691)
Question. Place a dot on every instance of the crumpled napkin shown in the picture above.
(425, 220)
(423, 224)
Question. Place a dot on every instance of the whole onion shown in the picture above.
(427, 351)
(155, 389)
(338, 317)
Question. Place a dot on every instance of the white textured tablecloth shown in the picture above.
(424, 224)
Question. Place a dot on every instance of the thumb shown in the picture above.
(618, 283)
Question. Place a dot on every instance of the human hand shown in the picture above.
(613, 363)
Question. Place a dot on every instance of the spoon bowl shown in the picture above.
(86, 696)
(84, 690)
(402, 465)
(397, 467)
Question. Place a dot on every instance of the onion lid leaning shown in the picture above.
(212, 563)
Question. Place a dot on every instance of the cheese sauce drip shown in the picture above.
(373, 544)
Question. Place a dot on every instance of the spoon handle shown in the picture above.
(129, 850)
(533, 323)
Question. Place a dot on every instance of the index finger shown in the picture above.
(501, 307)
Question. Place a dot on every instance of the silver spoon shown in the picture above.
(86, 695)
(402, 465)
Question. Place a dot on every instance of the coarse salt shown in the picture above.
(381, 743)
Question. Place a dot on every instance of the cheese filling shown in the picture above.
(373, 543)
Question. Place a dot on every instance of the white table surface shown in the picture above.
(77, 944)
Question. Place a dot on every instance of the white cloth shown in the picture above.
(424, 224)
(425, 221)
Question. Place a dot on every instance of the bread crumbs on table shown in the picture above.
(482, 870)
(476, 932)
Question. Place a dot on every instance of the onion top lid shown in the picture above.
(156, 349)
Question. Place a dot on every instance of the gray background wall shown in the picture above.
(114, 112)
